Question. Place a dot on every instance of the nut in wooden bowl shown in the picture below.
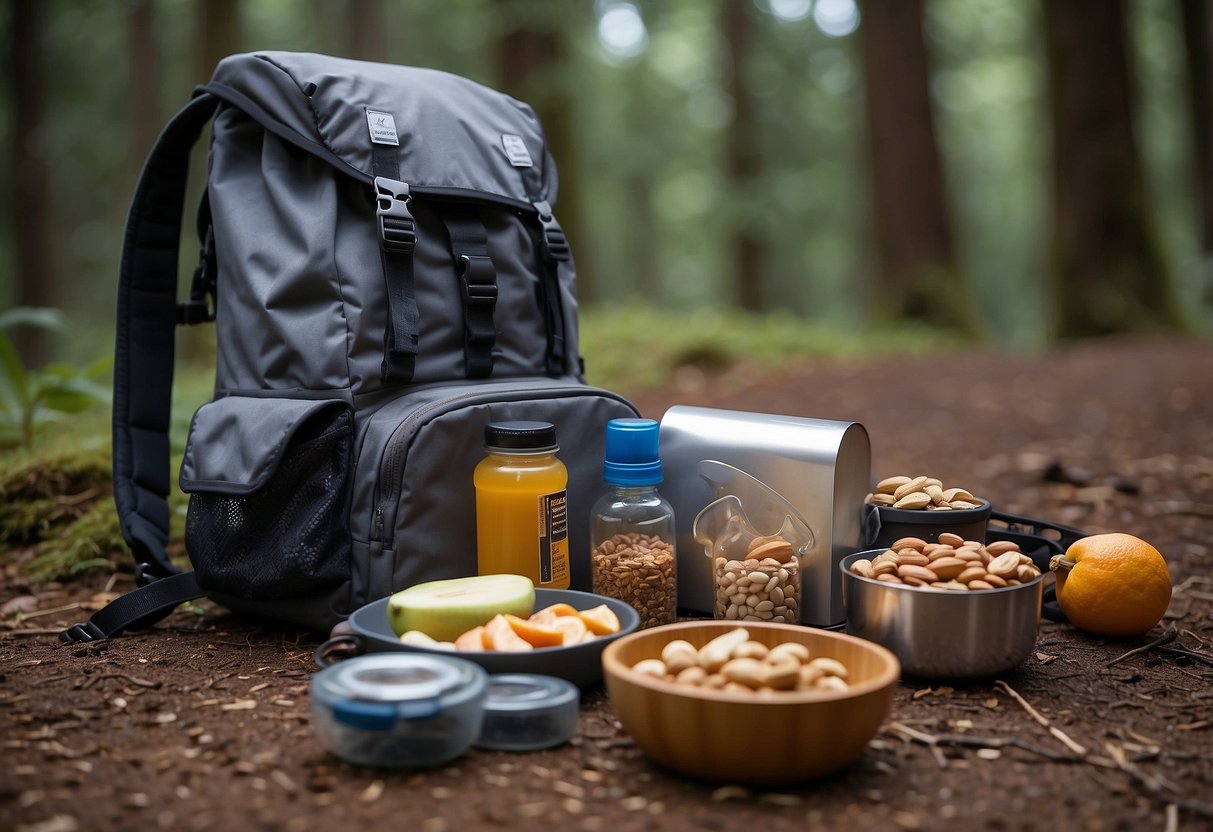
(741, 734)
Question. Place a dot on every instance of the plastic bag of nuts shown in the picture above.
(640, 570)
(952, 563)
(762, 586)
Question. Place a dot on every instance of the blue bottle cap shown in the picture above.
(631, 452)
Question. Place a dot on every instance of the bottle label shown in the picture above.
(553, 538)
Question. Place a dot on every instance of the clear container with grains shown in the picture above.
(633, 534)
(756, 541)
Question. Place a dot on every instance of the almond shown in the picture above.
(913, 486)
(912, 500)
(777, 549)
(863, 566)
(908, 543)
(948, 568)
(998, 547)
(949, 539)
(912, 558)
(1005, 565)
(890, 484)
(971, 573)
(922, 573)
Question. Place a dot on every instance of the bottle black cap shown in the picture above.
(521, 436)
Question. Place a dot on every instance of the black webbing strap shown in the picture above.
(469, 243)
(143, 379)
(397, 239)
(553, 250)
(137, 609)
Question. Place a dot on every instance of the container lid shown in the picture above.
(631, 452)
(520, 436)
(374, 692)
(528, 711)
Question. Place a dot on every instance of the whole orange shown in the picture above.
(1112, 584)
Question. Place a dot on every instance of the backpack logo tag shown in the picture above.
(515, 150)
(382, 128)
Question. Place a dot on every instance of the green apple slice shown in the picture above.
(444, 610)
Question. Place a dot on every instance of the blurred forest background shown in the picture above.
(1011, 172)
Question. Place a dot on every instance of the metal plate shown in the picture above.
(581, 664)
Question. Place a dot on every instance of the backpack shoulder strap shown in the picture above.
(143, 352)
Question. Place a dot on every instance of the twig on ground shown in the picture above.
(1204, 658)
(25, 616)
(1166, 638)
(1041, 720)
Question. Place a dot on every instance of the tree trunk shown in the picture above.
(366, 22)
(217, 23)
(918, 278)
(29, 174)
(529, 62)
(145, 117)
(742, 162)
(1198, 42)
(1108, 264)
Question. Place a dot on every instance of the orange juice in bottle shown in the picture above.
(521, 511)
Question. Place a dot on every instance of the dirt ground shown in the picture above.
(203, 722)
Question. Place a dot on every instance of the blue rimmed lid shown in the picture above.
(631, 452)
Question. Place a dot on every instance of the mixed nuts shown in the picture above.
(920, 493)
(638, 569)
(951, 563)
(764, 586)
(734, 662)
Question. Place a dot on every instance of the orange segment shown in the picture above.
(472, 641)
(572, 628)
(500, 636)
(536, 635)
(600, 620)
(544, 618)
(559, 610)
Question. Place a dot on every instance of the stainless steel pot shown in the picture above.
(939, 633)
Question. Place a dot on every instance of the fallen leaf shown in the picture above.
(22, 603)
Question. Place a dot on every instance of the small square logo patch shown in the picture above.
(515, 150)
(382, 127)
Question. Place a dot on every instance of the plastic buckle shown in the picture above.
(197, 310)
(86, 632)
(555, 244)
(397, 230)
(478, 280)
(146, 573)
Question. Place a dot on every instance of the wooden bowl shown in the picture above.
(758, 739)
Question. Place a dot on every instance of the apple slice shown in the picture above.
(444, 610)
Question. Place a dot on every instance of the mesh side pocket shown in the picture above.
(290, 537)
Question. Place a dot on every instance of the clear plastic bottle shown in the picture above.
(633, 535)
(518, 481)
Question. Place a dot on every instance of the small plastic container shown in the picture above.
(528, 711)
(399, 710)
(633, 534)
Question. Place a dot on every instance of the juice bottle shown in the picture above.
(521, 511)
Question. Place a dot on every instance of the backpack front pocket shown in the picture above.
(268, 481)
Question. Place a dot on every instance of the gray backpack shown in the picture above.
(385, 275)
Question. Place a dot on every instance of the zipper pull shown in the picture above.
(377, 528)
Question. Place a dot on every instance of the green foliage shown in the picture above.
(637, 347)
(30, 399)
(57, 506)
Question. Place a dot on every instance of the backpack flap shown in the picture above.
(268, 481)
(432, 227)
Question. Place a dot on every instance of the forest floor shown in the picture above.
(202, 723)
